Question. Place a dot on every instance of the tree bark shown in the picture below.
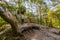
(13, 23)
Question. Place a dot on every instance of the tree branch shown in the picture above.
(9, 19)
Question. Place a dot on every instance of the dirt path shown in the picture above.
(44, 33)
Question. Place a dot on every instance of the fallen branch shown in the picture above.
(4, 31)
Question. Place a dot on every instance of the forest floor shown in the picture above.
(45, 33)
(37, 32)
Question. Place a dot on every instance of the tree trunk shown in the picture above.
(13, 23)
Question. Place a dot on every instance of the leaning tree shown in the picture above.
(11, 13)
